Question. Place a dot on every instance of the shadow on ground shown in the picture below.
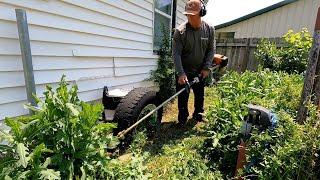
(171, 133)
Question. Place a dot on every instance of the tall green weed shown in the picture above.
(277, 91)
(289, 152)
(64, 140)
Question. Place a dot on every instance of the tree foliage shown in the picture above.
(292, 58)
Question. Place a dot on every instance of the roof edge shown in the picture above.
(256, 13)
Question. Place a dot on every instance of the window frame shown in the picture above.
(169, 17)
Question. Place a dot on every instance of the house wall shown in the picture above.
(276, 23)
(94, 43)
(180, 9)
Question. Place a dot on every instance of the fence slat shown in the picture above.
(241, 52)
(246, 55)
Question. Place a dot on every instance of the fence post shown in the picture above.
(225, 47)
(310, 72)
(246, 55)
(23, 30)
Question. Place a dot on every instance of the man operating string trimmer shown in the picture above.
(193, 52)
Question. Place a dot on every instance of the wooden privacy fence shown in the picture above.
(241, 52)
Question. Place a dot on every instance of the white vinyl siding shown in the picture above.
(95, 43)
(180, 9)
(276, 23)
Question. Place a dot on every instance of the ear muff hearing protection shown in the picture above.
(203, 10)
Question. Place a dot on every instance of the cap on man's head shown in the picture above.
(193, 7)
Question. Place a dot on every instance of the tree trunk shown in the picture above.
(316, 86)
(310, 73)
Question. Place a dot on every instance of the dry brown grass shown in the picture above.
(171, 109)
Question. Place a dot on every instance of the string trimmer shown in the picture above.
(187, 88)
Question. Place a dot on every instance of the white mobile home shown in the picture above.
(95, 43)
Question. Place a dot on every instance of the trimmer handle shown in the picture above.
(188, 85)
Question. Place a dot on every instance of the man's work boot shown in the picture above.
(199, 118)
(181, 123)
(204, 120)
(182, 117)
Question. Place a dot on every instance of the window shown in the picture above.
(162, 15)
(225, 35)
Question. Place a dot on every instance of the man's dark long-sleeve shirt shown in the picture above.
(193, 49)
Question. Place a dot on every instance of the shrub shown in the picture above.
(164, 75)
(292, 58)
(268, 54)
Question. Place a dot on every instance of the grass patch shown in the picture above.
(171, 109)
(175, 153)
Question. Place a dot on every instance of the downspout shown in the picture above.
(26, 56)
(174, 14)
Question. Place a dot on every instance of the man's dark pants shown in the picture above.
(198, 90)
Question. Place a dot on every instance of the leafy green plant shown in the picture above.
(289, 152)
(133, 169)
(182, 161)
(295, 54)
(19, 163)
(277, 91)
(268, 54)
(292, 58)
(64, 140)
(139, 141)
(164, 74)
